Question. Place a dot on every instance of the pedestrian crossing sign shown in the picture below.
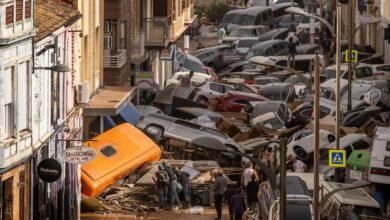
(337, 158)
(353, 56)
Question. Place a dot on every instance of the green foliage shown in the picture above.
(214, 11)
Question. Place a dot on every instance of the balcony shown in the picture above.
(137, 47)
(115, 61)
(156, 32)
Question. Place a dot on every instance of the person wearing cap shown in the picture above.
(219, 189)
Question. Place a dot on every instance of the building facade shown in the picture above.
(56, 117)
(16, 34)
(164, 22)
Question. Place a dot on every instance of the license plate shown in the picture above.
(354, 174)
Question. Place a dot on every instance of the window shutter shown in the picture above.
(27, 9)
(107, 42)
(9, 15)
(19, 10)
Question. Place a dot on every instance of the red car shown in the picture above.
(235, 101)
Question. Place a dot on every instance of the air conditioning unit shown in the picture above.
(82, 93)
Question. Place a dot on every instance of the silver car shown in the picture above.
(160, 127)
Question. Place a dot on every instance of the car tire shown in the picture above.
(203, 100)
(154, 131)
(301, 153)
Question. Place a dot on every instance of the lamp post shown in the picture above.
(296, 10)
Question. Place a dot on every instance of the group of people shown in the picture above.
(167, 181)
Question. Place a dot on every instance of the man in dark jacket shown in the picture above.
(184, 179)
(219, 191)
(172, 185)
(237, 205)
(161, 180)
(252, 191)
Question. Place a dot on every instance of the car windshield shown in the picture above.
(305, 19)
(245, 43)
(330, 74)
(244, 20)
(229, 18)
(241, 33)
(192, 65)
(275, 123)
(254, 52)
(293, 80)
(324, 111)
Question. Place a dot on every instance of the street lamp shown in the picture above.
(55, 68)
(296, 10)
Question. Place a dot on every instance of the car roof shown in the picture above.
(344, 66)
(331, 83)
(235, 11)
(294, 185)
(271, 33)
(255, 10)
(357, 197)
(266, 43)
(246, 94)
(297, 57)
(251, 27)
(239, 63)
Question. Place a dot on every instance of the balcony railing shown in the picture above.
(156, 31)
(115, 61)
(137, 50)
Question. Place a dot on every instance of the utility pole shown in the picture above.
(283, 173)
(350, 48)
(338, 39)
(317, 138)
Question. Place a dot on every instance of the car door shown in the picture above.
(216, 89)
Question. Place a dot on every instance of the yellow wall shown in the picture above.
(92, 23)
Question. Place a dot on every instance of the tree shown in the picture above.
(216, 10)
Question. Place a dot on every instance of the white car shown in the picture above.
(302, 143)
(196, 78)
(305, 23)
(352, 142)
(381, 71)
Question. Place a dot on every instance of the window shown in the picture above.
(160, 8)
(348, 150)
(107, 26)
(8, 102)
(107, 42)
(123, 35)
(265, 17)
(241, 101)
(388, 146)
(23, 96)
(268, 52)
(7, 199)
(27, 9)
(384, 68)
(368, 72)
(360, 145)
(108, 151)
(216, 87)
(360, 73)
(9, 15)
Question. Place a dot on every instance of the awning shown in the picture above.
(109, 101)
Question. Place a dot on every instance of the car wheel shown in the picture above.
(154, 131)
(203, 100)
(301, 154)
(331, 138)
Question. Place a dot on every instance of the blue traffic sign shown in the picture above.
(337, 158)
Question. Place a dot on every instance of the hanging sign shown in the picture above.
(49, 170)
(79, 155)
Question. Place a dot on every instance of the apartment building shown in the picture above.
(16, 33)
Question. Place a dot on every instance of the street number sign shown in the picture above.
(337, 158)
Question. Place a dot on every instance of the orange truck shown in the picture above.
(119, 151)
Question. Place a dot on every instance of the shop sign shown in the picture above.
(144, 80)
(49, 170)
(79, 155)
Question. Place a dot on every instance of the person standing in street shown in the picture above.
(252, 192)
(174, 198)
(184, 179)
(237, 205)
(221, 34)
(219, 189)
(247, 175)
(292, 50)
(299, 166)
(161, 180)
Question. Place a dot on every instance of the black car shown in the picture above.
(268, 48)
